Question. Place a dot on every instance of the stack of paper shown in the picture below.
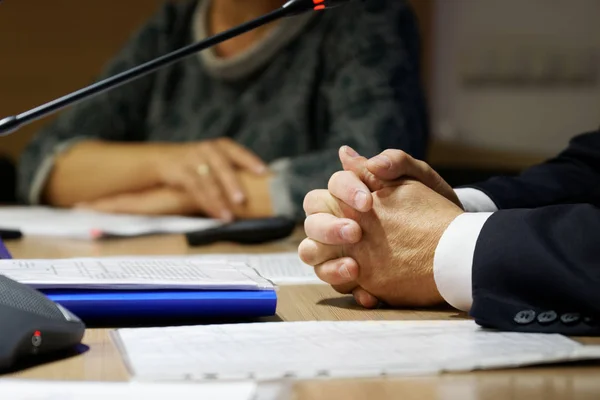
(281, 268)
(134, 274)
(83, 224)
(334, 349)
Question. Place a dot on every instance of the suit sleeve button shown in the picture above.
(547, 317)
(524, 317)
(570, 318)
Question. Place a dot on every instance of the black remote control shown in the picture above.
(250, 231)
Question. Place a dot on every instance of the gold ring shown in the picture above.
(203, 169)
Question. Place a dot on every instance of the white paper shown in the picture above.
(334, 349)
(280, 268)
(131, 273)
(59, 390)
(84, 224)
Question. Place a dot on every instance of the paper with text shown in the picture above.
(112, 273)
(14, 389)
(284, 268)
(280, 268)
(84, 224)
(333, 349)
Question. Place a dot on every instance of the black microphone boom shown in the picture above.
(292, 7)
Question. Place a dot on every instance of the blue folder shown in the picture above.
(92, 305)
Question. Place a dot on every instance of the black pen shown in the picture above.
(8, 234)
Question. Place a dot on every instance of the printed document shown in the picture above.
(284, 268)
(280, 268)
(111, 273)
(273, 350)
(84, 224)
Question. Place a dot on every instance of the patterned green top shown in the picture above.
(345, 76)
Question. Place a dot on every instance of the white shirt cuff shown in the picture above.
(474, 200)
(453, 259)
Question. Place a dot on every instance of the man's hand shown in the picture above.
(386, 252)
(384, 170)
(167, 200)
(207, 171)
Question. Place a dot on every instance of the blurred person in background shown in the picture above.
(244, 129)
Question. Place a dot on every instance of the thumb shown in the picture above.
(396, 164)
(354, 162)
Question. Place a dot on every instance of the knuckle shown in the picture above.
(313, 224)
(306, 251)
(325, 272)
(401, 158)
(316, 201)
(321, 274)
(373, 182)
(339, 175)
(309, 200)
(307, 226)
(331, 231)
(323, 228)
(337, 179)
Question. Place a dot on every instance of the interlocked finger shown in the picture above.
(331, 230)
(341, 273)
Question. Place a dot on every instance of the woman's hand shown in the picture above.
(167, 200)
(208, 172)
(158, 201)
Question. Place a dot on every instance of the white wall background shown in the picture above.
(534, 119)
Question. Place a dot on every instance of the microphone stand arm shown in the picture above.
(11, 124)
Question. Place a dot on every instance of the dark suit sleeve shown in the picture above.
(539, 270)
(571, 177)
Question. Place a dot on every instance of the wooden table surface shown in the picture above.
(311, 302)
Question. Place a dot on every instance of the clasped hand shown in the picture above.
(374, 232)
(208, 172)
(210, 177)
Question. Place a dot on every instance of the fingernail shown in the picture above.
(343, 271)
(346, 232)
(382, 162)
(350, 151)
(238, 197)
(261, 170)
(360, 199)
